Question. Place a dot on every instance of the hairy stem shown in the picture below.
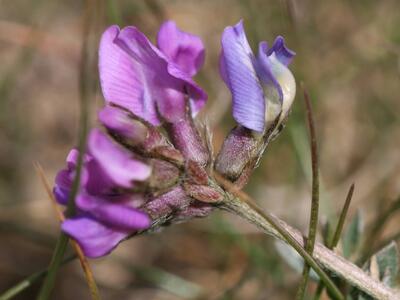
(327, 258)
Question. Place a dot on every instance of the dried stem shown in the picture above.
(94, 291)
(312, 231)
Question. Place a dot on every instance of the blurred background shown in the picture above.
(348, 56)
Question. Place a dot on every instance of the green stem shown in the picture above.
(84, 87)
(27, 282)
(55, 264)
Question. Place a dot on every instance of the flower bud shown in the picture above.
(204, 193)
(263, 90)
(164, 174)
(138, 134)
(186, 138)
(262, 86)
(130, 130)
(240, 149)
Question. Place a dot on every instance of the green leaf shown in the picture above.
(352, 236)
(388, 262)
(383, 266)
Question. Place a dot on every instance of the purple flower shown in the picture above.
(107, 211)
(135, 177)
(262, 87)
(151, 81)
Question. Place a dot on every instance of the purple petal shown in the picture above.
(197, 97)
(279, 83)
(247, 93)
(222, 68)
(184, 49)
(120, 122)
(118, 215)
(116, 161)
(162, 81)
(283, 53)
(94, 238)
(99, 182)
(65, 177)
(72, 159)
(62, 187)
(122, 80)
(157, 83)
(61, 195)
(265, 73)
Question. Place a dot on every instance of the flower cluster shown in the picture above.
(150, 165)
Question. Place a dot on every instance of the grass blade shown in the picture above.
(342, 218)
(84, 89)
(312, 232)
(338, 231)
(27, 282)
